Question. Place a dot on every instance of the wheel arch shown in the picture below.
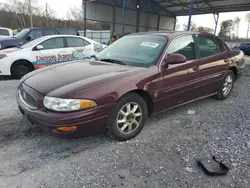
(235, 71)
(23, 60)
(145, 96)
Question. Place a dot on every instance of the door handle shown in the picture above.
(226, 60)
(196, 68)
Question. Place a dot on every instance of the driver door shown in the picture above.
(53, 51)
(180, 82)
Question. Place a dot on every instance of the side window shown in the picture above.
(49, 32)
(34, 34)
(221, 46)
(75, 42)
(53, 43)
(183, 45)
(207, 45)
(86, 43)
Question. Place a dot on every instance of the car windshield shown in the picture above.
(22, 33)
(32, 43)
(135, 50)
(4, 32)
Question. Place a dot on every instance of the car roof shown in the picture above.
(52, 36)
(76, 36)
(171, 34)
(5, 28)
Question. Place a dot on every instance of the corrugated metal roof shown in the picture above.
(181, 7)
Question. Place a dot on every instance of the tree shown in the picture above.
(237, 24)
(205, 29)
(226, 29)
(75, 14)
(192, 27)
(247, 17)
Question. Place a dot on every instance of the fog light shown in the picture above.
(67, 129)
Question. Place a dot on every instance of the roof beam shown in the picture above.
(197, 2)
(231, 8)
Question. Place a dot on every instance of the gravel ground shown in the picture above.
(162, 155)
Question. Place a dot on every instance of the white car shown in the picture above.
(46, 51)
(6, 32)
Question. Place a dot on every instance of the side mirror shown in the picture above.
(173, 59)
(39, 47)
(28, 38)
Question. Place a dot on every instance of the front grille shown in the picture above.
(27, 99)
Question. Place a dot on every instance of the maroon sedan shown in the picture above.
(138, 75)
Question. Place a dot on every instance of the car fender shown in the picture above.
(111, 90)
(14, 57)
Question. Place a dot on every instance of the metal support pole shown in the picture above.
(175, 23)
(190, 14)
(84, 17)
(30, 12)
(113, 24)
(216, 22)
(248, 27)
(47, 17)
(123, 16)
(138, 6)
(158, 22)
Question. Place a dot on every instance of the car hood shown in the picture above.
(60, 79)
(9, 50)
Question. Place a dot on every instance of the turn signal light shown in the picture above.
(87, 104)
(67, 129)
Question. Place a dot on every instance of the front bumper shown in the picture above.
(5, 67)
(88, 122)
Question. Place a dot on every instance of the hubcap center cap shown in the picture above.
(130, 118)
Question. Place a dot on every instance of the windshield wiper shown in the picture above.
(94, 56)
(113, 61)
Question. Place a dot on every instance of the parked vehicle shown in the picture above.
(45, 51)
(6, 32)
(121, 86)
(27, 35)
(245, 47)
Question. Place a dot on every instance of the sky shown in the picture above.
(200, 20)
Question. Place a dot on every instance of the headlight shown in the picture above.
(2, 56)
(67, 105)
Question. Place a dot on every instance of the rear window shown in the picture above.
(4, 32)
(221, 47)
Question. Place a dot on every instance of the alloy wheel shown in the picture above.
(227, 86)
(129, 118)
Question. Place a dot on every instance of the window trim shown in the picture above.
(210, 36)
(51, 39)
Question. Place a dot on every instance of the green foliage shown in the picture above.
(225, 29)
(205, 29)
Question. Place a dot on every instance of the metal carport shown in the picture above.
(126, 16)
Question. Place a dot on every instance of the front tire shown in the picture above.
(127, 118)
(20, 68)
(227, 86)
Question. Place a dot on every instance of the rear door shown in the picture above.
(180, 82)
(79, 47)
(53, 52)
(214, 60)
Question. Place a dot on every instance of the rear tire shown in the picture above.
(127, 118)
(226, 86)
(20, 68)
